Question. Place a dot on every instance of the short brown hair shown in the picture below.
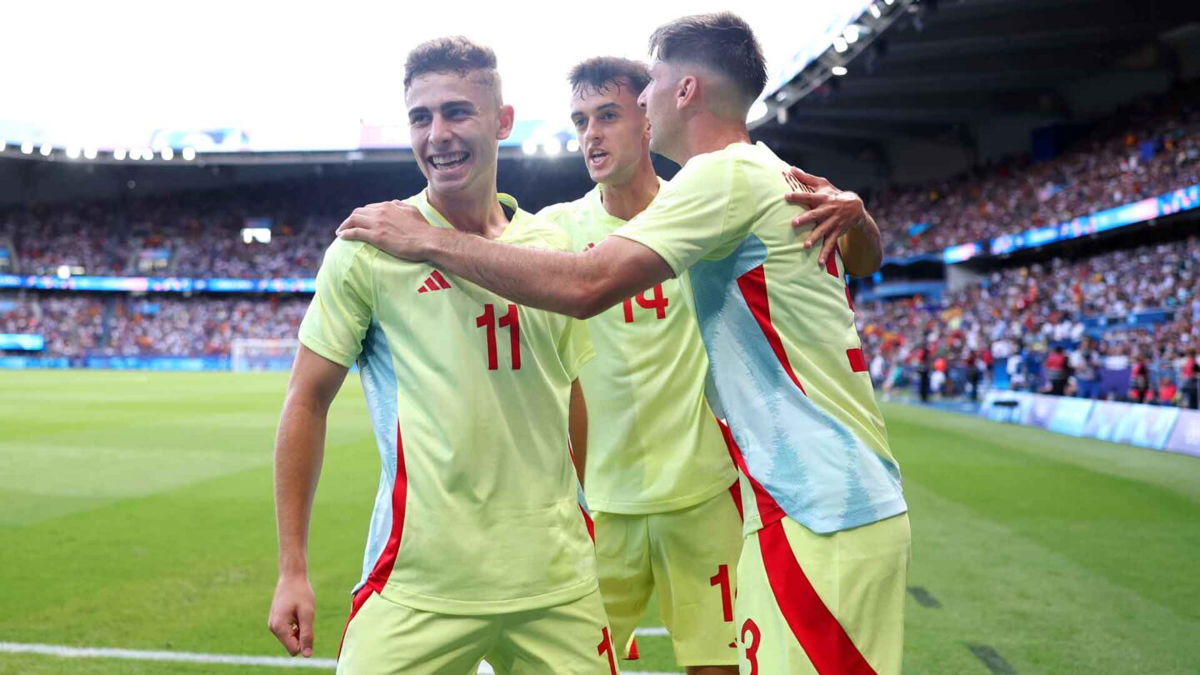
(722, 42)
(604, 72)
(455, 54)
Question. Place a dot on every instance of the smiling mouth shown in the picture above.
(597, 156)
(449, 160)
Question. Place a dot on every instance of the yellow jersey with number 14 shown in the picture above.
(653, 443)
(477, 509)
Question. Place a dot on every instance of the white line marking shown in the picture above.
(63, 651)
(658, 631)
(145, 655)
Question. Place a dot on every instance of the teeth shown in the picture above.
(449, 159)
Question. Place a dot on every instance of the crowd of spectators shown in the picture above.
(80, 325)
(1147, 149)
(1052, 327)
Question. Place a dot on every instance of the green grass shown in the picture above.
(136, 512)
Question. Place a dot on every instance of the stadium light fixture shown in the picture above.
(529, 147)
(572, 145)
(73, 152)
(147, 154)
(839, 70)
(552, 146)
(89, 153)
(119, 154)
(852, 33)
(889, 3)
(840, 45)
(189, 154)
(168, 153)
(46, 150)
(27, 147)
(875, 11)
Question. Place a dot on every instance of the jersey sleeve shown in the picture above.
(338, 317)
(575, 347)
(695, 216)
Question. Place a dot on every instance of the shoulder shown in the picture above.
(540, 232)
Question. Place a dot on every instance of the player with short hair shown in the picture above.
(478, 549)
(660, 480)
(822, 573)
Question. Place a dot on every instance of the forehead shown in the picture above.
(432, 90)
(588, 98)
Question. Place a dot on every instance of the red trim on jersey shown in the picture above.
(437, 276)
(735, 491)
(753, 285)
(378, 577)
(858, 361)
(360, 599)
(769, 510)
(849, 298)
(591, 527)
(831, 262)
(823, 639)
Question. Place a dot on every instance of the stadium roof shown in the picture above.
(967, 81)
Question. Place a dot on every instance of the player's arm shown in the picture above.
(299, 450)
(576, 284)
(577, 425)
(839, 218)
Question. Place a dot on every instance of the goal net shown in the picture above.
(253, 355)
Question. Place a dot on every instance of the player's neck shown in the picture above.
(709, 133)
(474, 212)
(627, 199)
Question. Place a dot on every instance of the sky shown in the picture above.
(308, 76)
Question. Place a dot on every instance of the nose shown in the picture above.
(642, 99)
(592, 132)
(439, 132)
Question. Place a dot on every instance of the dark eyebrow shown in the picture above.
(604, 108)
(454, 104)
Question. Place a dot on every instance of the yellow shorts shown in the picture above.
(811, 603)
(690, 556)
(385, 637)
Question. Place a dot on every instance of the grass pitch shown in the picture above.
(136, 512)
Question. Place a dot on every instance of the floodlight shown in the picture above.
(529, 147)
(119, 154)
(167, 153)
(840, 45)
(552, 146)
(572, 145)
(27, 147)
(189, 154)
(839, 70)
(46, 150)
(89, 153)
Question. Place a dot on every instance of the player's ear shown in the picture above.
(687, 91)
(507, 116)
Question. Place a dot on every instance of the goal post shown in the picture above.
(248, 355)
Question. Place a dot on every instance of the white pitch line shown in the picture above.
(63, 651)
(657, 631)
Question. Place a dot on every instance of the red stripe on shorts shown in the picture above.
(360, 599)
(823, 639)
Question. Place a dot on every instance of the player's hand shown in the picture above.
(832, 211)
(292, 612)
(393, 227)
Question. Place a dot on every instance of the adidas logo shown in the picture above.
(435, 282)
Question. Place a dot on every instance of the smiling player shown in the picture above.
(477, 549)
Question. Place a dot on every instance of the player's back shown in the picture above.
(787, 368)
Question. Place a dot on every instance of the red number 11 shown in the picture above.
(512, 321)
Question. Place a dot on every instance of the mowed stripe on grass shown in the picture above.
(137, 514)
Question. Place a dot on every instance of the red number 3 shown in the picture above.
(752, 645)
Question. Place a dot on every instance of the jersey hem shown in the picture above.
(858, 518)
(429, 603)
(662, 506)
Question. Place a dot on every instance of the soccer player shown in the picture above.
(823, 567)
(478, 548)
(659, 475)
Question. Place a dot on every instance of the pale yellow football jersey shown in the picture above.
(788, 371)
(477, 509)
(653, 443)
